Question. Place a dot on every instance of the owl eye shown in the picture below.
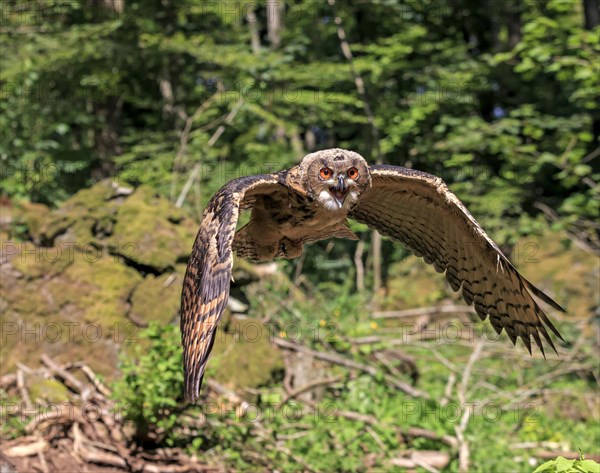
(325, 173)
(352, 173)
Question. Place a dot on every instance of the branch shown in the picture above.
(311, 385)
(463, 444)
(435, 310)
(213, 139)
(340, 360)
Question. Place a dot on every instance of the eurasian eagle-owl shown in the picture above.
(311, 202)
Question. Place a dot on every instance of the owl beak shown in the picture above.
(339, 192)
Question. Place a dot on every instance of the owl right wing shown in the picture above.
(208, 274)
(418, 210)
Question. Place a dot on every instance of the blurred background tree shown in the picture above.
(499, 98)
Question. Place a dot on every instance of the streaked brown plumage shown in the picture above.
(312, 202)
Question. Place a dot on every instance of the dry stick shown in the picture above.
(448, 389)
(65, 415)
(340, 360)
(360, 87)
(70, 381)
(184, 140)
(91, 455)
(426, 459)
(27, 450)
(387, 363)
(360, 267)
(89, 373)
(407, 432)
(309, 386)
(463, 444)
(7, 381)
(43, 463)
(376, 437)
(298, 269)
(435, 310)
(213, 139)
(23, 389)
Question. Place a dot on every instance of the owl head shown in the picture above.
(335, 177)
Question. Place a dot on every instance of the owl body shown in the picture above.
(283, 221)
(313, 201)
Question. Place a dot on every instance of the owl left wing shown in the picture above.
(208, 275)
(418, 210)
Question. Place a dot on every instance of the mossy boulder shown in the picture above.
(31, 215)
(47, 390)
(567, 273)
(100, 288)
(157, 298)
(72, 308)
(76, 219)
(73, 284)
(34, 261)
(156, 234)
(412, 283)
(243, 356)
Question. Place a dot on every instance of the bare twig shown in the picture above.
(340, 360)
(463, 444)
(70, 381)
(435, 310)
(311, 385)
(213, 139)
(184, 140)
(23, 389)
(89, 373)
(360, 267)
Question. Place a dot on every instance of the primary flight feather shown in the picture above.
(311, 202)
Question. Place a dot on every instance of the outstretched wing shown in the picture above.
(419, 211)
(208, 275)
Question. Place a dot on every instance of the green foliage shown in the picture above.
(507, 121)
(12, 426)
(151, 384)
(562, 465)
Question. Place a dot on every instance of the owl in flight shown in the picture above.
(313, 201)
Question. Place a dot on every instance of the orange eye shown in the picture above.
(325, 173)
(352, 173)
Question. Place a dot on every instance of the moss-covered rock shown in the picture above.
(243, 356)
(70, 289)
(34, 261)
(33, 216)
(567, 273)
(101, 288)
(76, 219)
(146, 223)
(47, 390)
(412, 283)
(156, 299)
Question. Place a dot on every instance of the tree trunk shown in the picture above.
(514, 24)
(253, 27)
(106, 136)
(592, 18)
(591, 11)
(274, 10)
